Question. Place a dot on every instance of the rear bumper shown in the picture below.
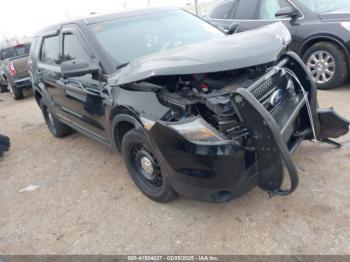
(23, 82)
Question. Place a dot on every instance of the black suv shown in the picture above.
(194, 111)
(320, 31)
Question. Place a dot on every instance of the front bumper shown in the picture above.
(216, 173)
(222, 172)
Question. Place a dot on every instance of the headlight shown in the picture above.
(346, 25)
(197, 131)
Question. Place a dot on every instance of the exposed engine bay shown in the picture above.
(209, 96)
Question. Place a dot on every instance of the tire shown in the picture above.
(3, 88)
(56, 128)
(137, 149)
(16, 92)
(337, 57)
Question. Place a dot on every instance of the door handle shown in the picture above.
(88, 91)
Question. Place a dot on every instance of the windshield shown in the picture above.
(134, 37)
(18, 50)
(321, 6)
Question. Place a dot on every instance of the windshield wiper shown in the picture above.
(122, 65)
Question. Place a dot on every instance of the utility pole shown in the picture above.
(149, 3)
(196, 7)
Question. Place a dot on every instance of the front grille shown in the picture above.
(264, 93)
(261, 90)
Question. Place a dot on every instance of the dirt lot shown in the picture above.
(87, 204)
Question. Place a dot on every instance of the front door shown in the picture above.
(81, 99)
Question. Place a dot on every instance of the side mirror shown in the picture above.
(75, 68)
(287, 12)
(233, 28)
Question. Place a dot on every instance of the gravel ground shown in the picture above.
(86, 203)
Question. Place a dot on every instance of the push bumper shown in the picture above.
(222, 172)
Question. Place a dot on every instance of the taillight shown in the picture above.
(12, 69)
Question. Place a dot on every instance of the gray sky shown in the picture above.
(24, 17)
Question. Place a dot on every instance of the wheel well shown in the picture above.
(317, 40)
(37, 97)
(121, 129)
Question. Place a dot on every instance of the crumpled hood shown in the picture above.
(340, 15)
(231, 52)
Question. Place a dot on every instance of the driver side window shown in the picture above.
(73, 49)
(269, 8)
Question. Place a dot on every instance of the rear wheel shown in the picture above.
(145, 168)
(3, 88)
(327, 64)
(17, 93)
(57, 128)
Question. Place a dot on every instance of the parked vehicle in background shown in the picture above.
(14, 69)
(320, 30)
(194, 111)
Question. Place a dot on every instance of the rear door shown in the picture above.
(80, 97)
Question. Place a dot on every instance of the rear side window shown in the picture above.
(223, 11)
(50, 50)
(73, 49)
(246, 9)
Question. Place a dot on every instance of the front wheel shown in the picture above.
(327, 64)
(145, 168)
(17, 93)
(56, 128)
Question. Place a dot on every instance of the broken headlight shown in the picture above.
(197, 131)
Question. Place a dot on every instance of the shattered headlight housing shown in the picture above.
(197, 131)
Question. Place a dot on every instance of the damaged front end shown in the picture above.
(229, 130)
